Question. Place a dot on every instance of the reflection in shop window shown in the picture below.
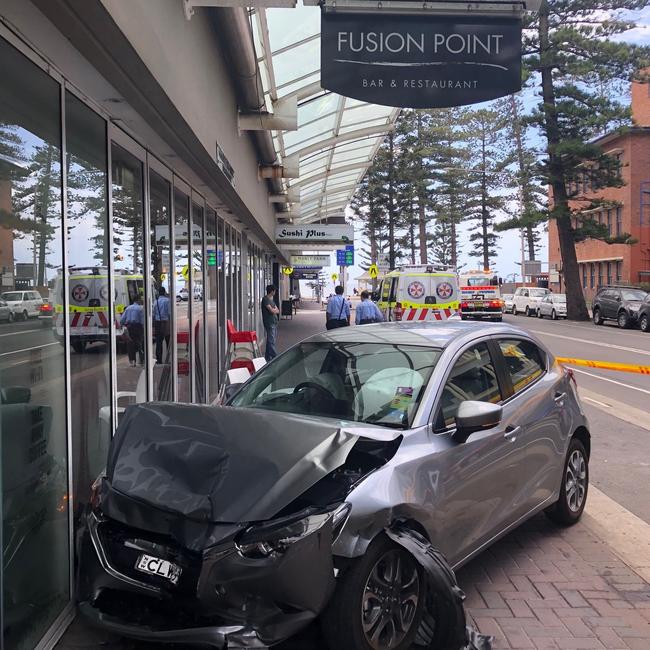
(33, 440)
(183, 297)
(198, 323)
(131, 347)
(213, 325)
(88, 299)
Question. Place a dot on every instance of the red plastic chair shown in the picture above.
(236, 336)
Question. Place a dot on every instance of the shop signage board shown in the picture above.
(316, 233)
(299, 274)
(420, 60)
(310, 260)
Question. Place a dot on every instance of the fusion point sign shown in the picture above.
(420, 60)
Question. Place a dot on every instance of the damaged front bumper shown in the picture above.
(235, 595)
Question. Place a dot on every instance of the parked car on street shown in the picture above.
(6, 312)
(643, 315)
(526, 300)
(552, 305)
(183, 294)
(376, 452)
(508, 301)
(24, 304)
(620, 304)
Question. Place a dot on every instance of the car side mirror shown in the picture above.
(473, 416)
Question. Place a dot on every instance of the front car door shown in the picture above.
(535, 397)
(480, 478)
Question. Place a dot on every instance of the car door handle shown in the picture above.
(511, 433)
(559, 398)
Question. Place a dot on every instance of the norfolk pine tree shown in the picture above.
(568, 44)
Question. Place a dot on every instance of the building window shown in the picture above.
(584, 275)
(609, 272)
(619, 266)
(619, 221)
(600, 274)
(592, 270)
(609, 223)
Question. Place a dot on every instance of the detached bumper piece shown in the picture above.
(227, 596)
(444, 626)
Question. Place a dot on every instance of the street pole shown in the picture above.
(523, 259)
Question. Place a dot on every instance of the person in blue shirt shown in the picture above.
(133, 320)
(161, 324)
(367, 311)
(338, 310)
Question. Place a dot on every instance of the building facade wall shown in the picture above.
(600, 262)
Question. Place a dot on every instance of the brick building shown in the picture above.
(599, 262)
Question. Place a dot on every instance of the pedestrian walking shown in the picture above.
(133, 320)
(367, 312)
(338, 310)
(161, 324)
(270, 314)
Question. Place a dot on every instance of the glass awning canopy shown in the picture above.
(337, 137)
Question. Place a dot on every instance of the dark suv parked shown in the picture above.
(621, 304)
(643, 316)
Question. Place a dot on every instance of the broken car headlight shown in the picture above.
(275, 537)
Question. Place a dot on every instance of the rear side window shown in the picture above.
(524, 362)
(473, 377)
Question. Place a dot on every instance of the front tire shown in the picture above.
(644, 323)
(514, 310)
(575, 485)
(379, 601)
(553, 315)
(623, 320)
(25, 315)
(597, 318)
(10, 317)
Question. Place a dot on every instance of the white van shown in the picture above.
(88, 304)
(419, 293)
(526, 300)
(23, 304)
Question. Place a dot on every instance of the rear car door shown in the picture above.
(609, 302)
(535, 395)
(481, 477)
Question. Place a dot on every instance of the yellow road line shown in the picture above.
(605, 365)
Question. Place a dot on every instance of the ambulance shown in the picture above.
(419, 293)
(88, 305)
(480, 296)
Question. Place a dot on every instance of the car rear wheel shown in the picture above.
(575, 485)
(25, 315)
(379, 601)
(644, 323)
(623, 320)
(597, 318)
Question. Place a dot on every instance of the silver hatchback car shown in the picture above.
(345, 479)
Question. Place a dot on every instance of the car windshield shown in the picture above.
(12, 296)
(483, 281)
(374, 383)
(538, 293)
(633, 295)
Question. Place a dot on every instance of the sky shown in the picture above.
(509, 244)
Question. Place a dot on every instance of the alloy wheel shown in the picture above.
(10, 318)
(25, 315)
(390, 601)
(553, 315)
(514, 310)
(623, 320)
(644, 323)
(576, 480)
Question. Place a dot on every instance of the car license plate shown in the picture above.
(478, 304)
(158, 567)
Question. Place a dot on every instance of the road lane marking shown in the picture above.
(612, 381)
(602, 345)
(21, 332)
(595, 401)
(36, 347)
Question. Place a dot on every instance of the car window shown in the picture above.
(473, 377)
(12, 296)
(633, 294)
(524, 361)
(375, 383)
(559, 298)
(536, 293)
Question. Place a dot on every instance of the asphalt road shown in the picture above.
(616, 403)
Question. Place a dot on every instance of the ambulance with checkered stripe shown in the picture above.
(419, 293)
(480, 295)
(88, 313)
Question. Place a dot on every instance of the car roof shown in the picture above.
(430, 334)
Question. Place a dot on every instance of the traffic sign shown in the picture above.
(287, 270)
(373, 271)
(334, 277)
(345, 257)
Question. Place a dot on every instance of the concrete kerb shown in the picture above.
(627, 536)
(617, 409)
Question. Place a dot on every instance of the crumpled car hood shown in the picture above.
(222, 464)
